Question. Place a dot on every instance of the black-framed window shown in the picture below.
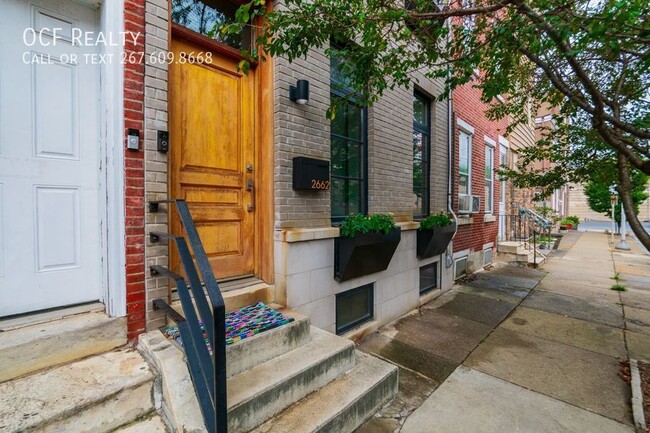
(354, 307)
(421, 154)
(428, 277)
(349, 138)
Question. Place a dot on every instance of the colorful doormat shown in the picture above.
(242, 323)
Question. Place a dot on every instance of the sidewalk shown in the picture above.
(519, 350)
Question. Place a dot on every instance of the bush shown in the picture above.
(440, 219)
(357, 223)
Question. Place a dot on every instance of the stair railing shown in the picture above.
(540, 227)
(206, 362)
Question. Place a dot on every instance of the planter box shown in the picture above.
(434, 241)
(558, 239)
(364, 254)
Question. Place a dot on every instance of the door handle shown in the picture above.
(250, 186)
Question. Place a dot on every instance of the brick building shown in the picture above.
(480, 145)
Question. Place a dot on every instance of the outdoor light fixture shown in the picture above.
(300, 92)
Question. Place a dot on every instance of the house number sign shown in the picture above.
(311, 174)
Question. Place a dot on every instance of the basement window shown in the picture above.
(487, 256)
(460, 267)
(354, 307)
(428, 278)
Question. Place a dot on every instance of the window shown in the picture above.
(348, 148)
(460, 267)
(421, 154)
(428, 277)
(489, 179)
(354, 308)
(206, 16)
(487, 256)
(464, 166)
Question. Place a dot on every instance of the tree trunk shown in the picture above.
(624, 189)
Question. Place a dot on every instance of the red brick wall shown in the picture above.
(134, 171)
(469, 108)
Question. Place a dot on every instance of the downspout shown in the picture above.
(449, 262)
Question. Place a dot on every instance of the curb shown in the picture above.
(637, 397)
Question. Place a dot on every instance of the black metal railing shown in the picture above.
(206, 362)
(526, 227)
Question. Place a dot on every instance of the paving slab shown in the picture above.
(631, 281)
(580, 377)
(637, 319)
(473, 402)
(580, 289)
(442, 334)
(636, 298)
(502, 281)
(585, 309)
(379, 424)
(499, 295)
(411, 357)
(598, 338)
(478, 308)
(638, 345)
(518, 271)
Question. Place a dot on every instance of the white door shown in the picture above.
(503, 160)
(49, 158)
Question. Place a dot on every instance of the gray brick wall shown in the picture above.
(155, 163)
(301, 130)
(305, 131)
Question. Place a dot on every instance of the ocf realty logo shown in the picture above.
(51, 36)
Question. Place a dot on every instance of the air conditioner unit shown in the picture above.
(464, 203)
(476, 204)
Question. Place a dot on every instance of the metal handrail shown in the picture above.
(208, 370)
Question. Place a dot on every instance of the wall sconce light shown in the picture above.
(300, 92)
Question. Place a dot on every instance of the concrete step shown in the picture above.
(261, 392)
(344, 404)
(153, 424)
(95, 395)
(239, 298)
(509, 247)
(28, 349)
(260, 348)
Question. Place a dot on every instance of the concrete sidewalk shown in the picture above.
(520, 350)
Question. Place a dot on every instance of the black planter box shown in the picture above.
(432, 242)
(364, 254)
(558, 239)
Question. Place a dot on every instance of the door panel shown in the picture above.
(212, 155)
(50, 253)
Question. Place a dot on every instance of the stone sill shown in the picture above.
(314, 234)
(489, 218)
(465, 220)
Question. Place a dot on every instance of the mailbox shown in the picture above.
(311, 174)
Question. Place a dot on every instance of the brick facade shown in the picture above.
(134, 22)
(481, 228)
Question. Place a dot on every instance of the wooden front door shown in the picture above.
(211, 160)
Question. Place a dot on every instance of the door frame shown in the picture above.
(263, 177)
(112, 206)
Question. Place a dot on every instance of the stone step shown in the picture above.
(153, 424)
(261, 392)
(509, 247)
(95, 395)
(28, 349)
(344, 404)
(260, 348)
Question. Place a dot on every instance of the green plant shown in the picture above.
(545, 239)
(441, 219)
(357, 223)
(618, 288)
(616, 277)
(573, 220)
